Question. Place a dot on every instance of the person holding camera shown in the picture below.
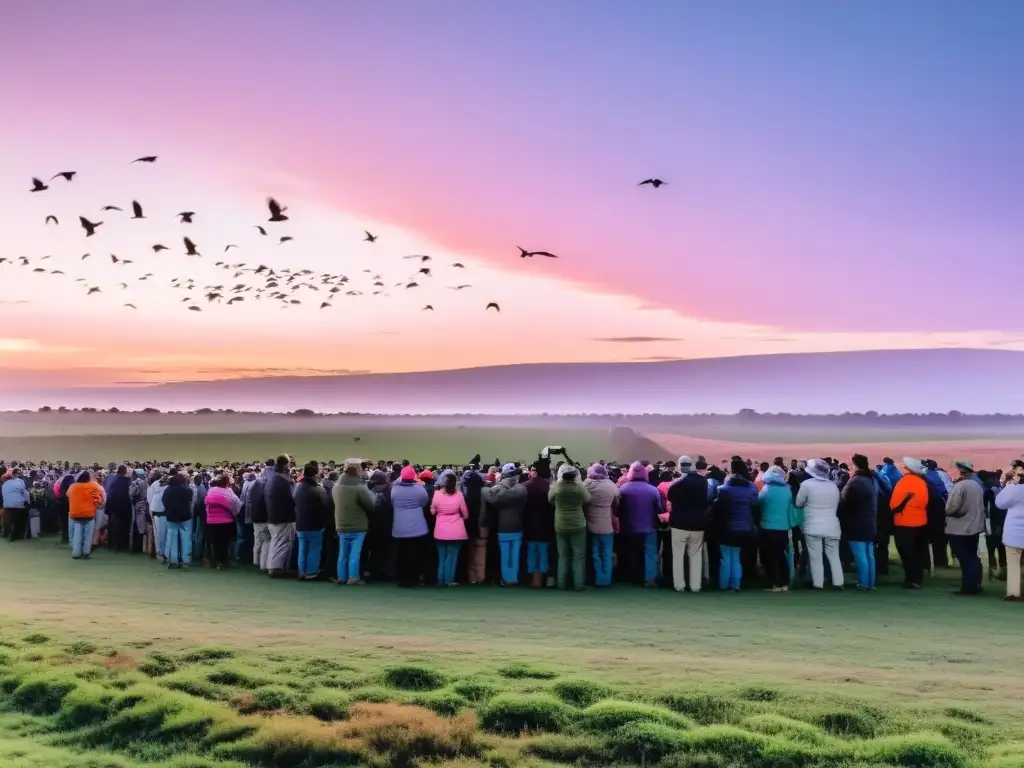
(1011, 498)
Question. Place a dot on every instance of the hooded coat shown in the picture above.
(504, 503)
(778, 512)
(640, 503)
(858, 508)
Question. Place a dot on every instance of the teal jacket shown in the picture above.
(778, 513)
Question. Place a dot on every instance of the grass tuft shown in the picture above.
(413, 677)
(759, 693)
(646, 742)
(43, 693)
(207, 653)
(579, 692)
(81, 648)
(519, 671)
(328, 705)
(512, 713)
(848, 724)
(475, 689)
(85, 705)
(918, 750)
(445, 702)
(158, 664)
(967, 715)
(705, 708)
(611, 714)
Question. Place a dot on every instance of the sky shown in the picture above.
(840, 176)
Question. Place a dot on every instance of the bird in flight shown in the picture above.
(492, 304)
(93, 290)
(157, 248)
(229, 247)
(430, 307)
(424, 271)
(114, 259)
(457, 265)
(89, 226)
(370, 238)
(137, 210)
(110, 208)
(324, 304)
(84, 256)
(458, 287)
(132, 306)
(261, 229)
(523, 253)
(68, 175)
(423, 258)
(52, 218)
(146, 159)
(195, 309)
(38, 185)
(653, 182)
(285, 239)
(276, 211)
(186, 216)
(190, 248)
(412, 285)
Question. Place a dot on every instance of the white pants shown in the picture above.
(690, 544)
(261, 545)
(814, 544)
(1013, 571)
(282, 536)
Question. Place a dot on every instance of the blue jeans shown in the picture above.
(510, 544)
(601, 552)
(160, 535)
(81, 536)
(447, 558)
(731, 571)
(864, 557)
(350, 548)
(537, 560)
(650, 558)
(965, 549)
(198, 537)
(179, 535)
(311, 544)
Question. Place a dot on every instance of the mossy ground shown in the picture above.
(136, 666)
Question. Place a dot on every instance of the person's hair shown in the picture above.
(268, 463)
(281, 463)
(738, 467)
(701, 465)
(778, 461)
(177, 479)
(122, 470)
(405, 462)
(887, 460)
(450, 482)
(223, 480)
(85, 477)
(310, 471)
(861, 462)
(763, 466)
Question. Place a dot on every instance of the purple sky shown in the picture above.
(839, 167)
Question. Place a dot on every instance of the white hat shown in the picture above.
(818, 468)
(685, 461)
(916, 466)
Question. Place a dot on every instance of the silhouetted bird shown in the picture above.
(186, 216)
(424, 271)
(52, 218)
(195, 309)
(423, 258)
(261, 229)
(137, 210)
(146, 159)
(370, 238)
(93, 290)
(430, 307)
(324, 304)
(190, 248)
(285, 239)
(38, 185)
(89, 226)
(110, 208)
(492, 304)
(68, 175)
(229, 247)
(84, 256)
(653, 182)
(412, 285)
(131, 306)
(459, 266)
(157, 248)
(38, 269)
(276, 211)
(458, 287)
(113, 258)
(523, 253)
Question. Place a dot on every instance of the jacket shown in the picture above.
(1011, 498)
(156, 498)
(177, 501)
(408, 500)
(778, 512)
(858, 508)
(450, 511)
(310, 506)
(15, 494)
(222, 506)
(913, 510)
(353, 503)
(280, 503)
(819, 500)
(688, 503)
(504, 503)
(538, 512)
(639, 507)
(568, 500)
(732, 515)
(600, 511)
(891, 474)
(965, 508)
(84, 499)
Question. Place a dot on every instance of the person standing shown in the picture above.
(280, 518)
(177, 501)
(310, 516)
(448, 506)
(503, 510)
(15, 505)
(84, 497)
(143, 521)
(909, 505)
(639, 506)
(409, 530)
(155, 495)
(256, 502)
(778, 517)
(819, 499)
(568, 496)
(119, 510)
(732, 517)
(353, 504)
(1011, 498)
(221, 506)
(965, 522)
(688, 518)
(538, 525)
(858, 518)
(602, 519)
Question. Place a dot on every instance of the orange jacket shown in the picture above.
(915, 513)
(84, 499)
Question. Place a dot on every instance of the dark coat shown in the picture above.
(311, 508)
(119, 500)
(178, 503)
(257, 501)
(539, 513)
(858, 508)
(280, 503)
(688, 499)
(733, 513)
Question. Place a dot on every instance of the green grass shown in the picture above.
(229, 669)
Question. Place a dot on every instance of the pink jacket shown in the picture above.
(222, 505)
(451, 512)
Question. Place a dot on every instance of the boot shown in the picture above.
(537, 580)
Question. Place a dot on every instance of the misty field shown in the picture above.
(137, 665)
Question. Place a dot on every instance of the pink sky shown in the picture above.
(830, 180)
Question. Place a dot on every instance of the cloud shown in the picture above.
(636, 339)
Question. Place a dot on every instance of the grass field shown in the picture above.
(117, 662)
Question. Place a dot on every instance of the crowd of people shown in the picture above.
(683, 525)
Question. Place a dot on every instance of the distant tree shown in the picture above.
(113, 409)
(45, 409)
(62, 409)
(87, 409)
(151, 410)
(954, 414)
(203, 410)
(871, 414)
(303, 412)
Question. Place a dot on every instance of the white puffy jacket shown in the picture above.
(819, 499)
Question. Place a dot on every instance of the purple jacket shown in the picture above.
(639, 507)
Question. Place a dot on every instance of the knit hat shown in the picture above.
(916, 466)
(426, 474)
(509, 470)
(597, 472)
(567, 470)
(408, 474)
(637, 471)
(685, 462)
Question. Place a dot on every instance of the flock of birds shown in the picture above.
(258, 282)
